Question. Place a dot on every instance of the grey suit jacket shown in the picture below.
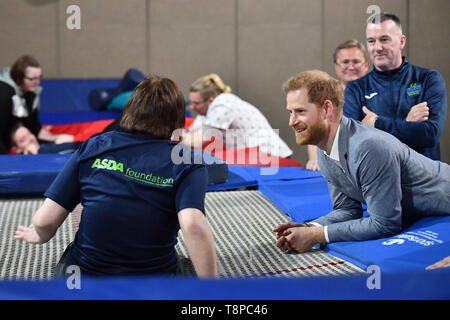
(394, 181)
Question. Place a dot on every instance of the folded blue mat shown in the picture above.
(29, 175)
(70, 95)
(302, 199)
(238, 177)
(54, 118)
(424, 243)
(280, 173)
(428, 285)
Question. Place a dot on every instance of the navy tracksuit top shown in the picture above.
(392, 94)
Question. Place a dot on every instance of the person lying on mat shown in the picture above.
(362, 165)
(24, 142)
(229, 116)
(134, 197)
(20, 101)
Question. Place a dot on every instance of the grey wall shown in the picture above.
(254, 45)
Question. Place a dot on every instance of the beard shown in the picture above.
(313, 134)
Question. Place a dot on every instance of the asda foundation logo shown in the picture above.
(414, 89)
(146, 177)
(108, 164)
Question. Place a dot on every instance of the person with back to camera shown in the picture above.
(350, 63)
(362, 165)
(134, 197)
(404, 100)
(20, 101)
(219, 109)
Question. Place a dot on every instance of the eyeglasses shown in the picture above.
(347, 62)
(31, 79)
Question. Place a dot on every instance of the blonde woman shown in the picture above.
(239, 124)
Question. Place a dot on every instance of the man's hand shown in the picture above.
(298, 237)
(312, 165)
(370, 117)
(418, 113)
(444, 263)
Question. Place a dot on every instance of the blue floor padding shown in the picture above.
(29, 175)
(71, 95)
(427, 285)
(54, 118)
(238, 177)
(280, 173)
(301, 199)
(415, 248)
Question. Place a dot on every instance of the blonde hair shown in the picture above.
(209, 86)
(320, 87)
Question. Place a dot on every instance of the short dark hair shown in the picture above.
(20, 65)
(156, 107)
(384, 16)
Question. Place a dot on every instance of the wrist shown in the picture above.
(375, 121)
(319, 235)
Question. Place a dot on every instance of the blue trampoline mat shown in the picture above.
(301, 199)
(431, 285)
(424, 243)
(71, 95)
(54, 118)
(31, 175)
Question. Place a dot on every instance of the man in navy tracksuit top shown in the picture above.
(407, 101)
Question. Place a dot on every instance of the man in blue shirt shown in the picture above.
(135, 198)
(406, 101)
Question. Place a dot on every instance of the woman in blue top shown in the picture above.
(134, 197)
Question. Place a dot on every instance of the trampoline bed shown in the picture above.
(241, 221)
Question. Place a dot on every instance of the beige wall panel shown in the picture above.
(429, 42)
(29, 27)
(346, 19)
(188, 39)
(112, 39)
(276, 40)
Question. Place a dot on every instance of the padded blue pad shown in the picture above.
(428, 285)
(238, 177)
(70, 95)
(424, 243)
(302, 199)
(29, 175)
(53, 118)
(281, 173)
(119, 102)
(100, 98)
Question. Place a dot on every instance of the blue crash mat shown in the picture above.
(301, 199)
(29, 175)
(71, 95)
(428, 285)
(54, 118)
(238, 177)
(280, 173)
(415, 248)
